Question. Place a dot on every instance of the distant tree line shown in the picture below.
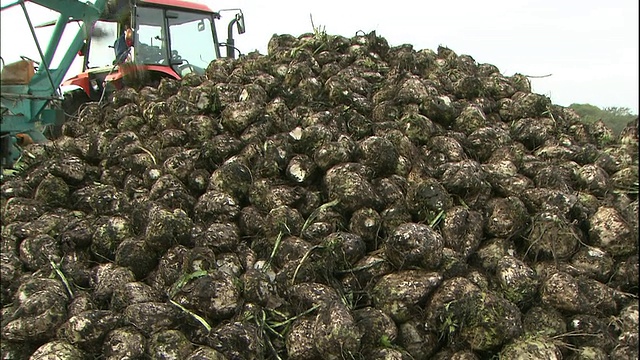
(616, 118)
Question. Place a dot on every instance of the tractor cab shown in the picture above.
(183, 40)
(160, 38)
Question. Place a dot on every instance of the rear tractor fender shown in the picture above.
(147, 75)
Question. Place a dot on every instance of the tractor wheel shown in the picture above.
(71, 103)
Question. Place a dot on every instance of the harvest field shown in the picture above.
(337, 198)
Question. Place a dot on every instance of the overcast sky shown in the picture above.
(589, 47)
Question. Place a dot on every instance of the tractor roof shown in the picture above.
(183, 4)
(117, 9)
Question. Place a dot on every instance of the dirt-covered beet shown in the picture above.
(336, 198)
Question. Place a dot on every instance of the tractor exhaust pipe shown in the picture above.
(230, 44)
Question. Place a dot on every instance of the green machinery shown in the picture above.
(27, 104)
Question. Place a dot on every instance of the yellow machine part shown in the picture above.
(17, 73)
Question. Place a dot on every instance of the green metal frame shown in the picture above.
(26, 106)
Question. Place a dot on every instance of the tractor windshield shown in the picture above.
(150, 44)
(191, 37)
(101, 53)
(187, 45)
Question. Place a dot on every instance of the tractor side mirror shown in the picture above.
(240, 23)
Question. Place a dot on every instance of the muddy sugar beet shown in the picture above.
(337, 198)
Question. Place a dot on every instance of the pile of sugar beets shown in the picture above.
(338, 198)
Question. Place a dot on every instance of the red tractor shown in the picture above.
(157, 38)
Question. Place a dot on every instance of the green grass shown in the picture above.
(316, 212)
(197, 317)
(62, 277)
(184, 280)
